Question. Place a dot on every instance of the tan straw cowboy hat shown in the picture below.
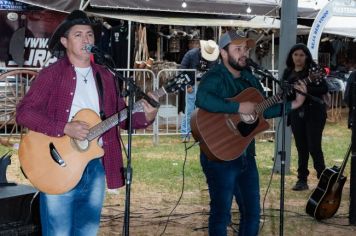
(209, 50)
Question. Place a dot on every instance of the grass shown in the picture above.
(157, 182)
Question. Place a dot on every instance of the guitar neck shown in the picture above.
(276, 98)
(115, 119)
(342, 167)
(268, 103)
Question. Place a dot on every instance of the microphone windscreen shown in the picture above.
(88, 48)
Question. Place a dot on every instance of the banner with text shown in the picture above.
(29, 49)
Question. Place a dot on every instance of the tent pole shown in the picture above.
(272, 63)
(83, 4)
(220, 32)
(287, 39)
(129, 45)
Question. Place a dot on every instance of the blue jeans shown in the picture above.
(76, 212)
(225, 180)
(189, 108)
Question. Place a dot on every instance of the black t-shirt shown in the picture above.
(119, 42)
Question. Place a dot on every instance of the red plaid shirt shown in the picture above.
(46, 108)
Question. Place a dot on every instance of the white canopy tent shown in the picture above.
(201, 12)
(255, 22)
(204, 13)
(342, 26)
(220, 7)
(306, 8)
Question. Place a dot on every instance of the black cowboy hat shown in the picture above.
(76, 17)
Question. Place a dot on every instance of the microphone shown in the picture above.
(258, 69)
(90, 48)
(101, 56)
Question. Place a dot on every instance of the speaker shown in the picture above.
(19, 214)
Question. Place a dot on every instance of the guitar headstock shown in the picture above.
(316, 74)
(179, 82)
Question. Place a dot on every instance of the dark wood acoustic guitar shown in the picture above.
(325, 200)
(224, 137)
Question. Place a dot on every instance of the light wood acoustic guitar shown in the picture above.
(224, 137)
(325, 200)
(54, 165)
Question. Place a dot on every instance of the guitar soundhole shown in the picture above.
(80, 145)
(246, 129)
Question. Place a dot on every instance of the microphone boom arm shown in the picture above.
(137, 90)
(261, 71)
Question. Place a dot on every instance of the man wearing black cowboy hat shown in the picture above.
(58, 93)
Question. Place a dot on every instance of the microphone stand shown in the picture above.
(282, 154)
(132, 90)
(285, 87)
(128, 171)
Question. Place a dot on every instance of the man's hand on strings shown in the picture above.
(77, 129)
(247, 108)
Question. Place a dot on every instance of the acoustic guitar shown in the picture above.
(325, 200)
(224, 137)
(54, 165)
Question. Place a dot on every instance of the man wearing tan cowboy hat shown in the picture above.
(200, 59)
(58, 93)
(238, 177)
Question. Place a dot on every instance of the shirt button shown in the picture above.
(74, 78)
(71, 93)
(58, 135)
(67, 110)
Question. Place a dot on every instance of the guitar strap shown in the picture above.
(99, 85)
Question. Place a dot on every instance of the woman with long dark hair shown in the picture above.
(308, 120)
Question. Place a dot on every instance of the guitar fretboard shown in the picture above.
(276, 99)
(342, 167)
(115, 119)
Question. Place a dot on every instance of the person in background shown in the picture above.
(237, 178)
(56, 95)
(350, 100)
(308, 121)
(200, 59)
